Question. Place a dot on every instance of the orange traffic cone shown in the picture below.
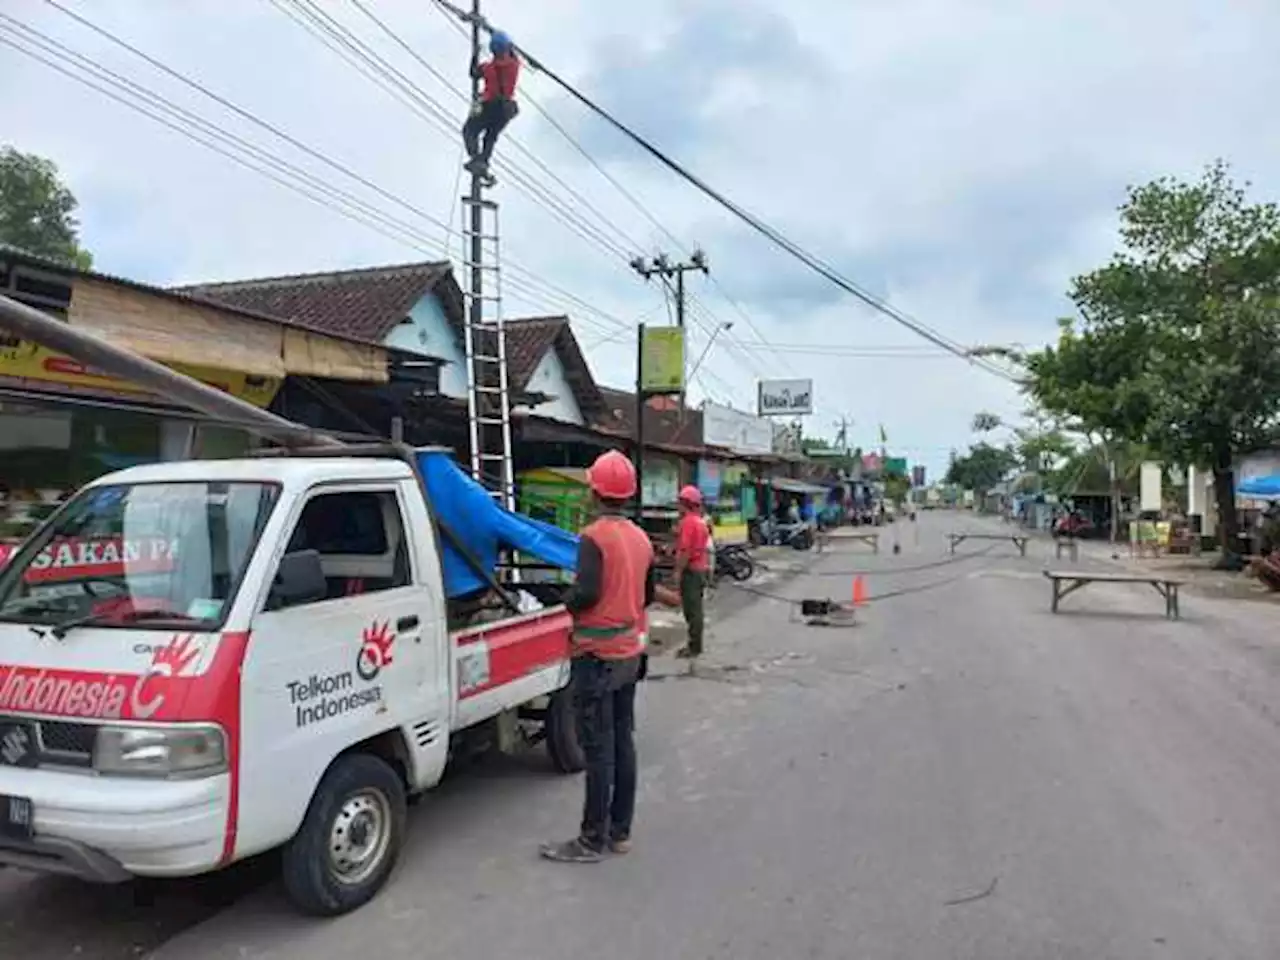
(859, 592)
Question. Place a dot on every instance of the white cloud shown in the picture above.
(965, 163)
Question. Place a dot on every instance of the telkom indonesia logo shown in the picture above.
(167, 663)
(375, 650)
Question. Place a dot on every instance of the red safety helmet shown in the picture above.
(691, 495)
(612, 476)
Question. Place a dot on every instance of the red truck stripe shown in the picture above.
(519, 649)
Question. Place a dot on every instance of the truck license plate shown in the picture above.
(17, 818)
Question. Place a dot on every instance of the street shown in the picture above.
(960, 775)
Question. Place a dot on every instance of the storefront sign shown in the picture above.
(662, 360)
(31, 361)
(785, 398)
(737, 431)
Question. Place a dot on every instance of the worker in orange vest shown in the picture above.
(614, 586)
(693, 563)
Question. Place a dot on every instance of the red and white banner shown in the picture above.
(72, 559)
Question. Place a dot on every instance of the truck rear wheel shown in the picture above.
(562, 733)
(350, 838)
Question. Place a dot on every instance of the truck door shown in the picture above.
(324, 674)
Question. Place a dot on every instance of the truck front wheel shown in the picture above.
(350, 838)
(562, 733)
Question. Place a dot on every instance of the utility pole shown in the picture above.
(476, 251)
(661, 266)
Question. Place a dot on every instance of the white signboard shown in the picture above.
(734, 430)
(1150, 495)
(785, 398)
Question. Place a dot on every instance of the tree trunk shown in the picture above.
(1113, 480)
(1224, 495)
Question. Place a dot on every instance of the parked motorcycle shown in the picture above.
(733, 561)
(770, 533)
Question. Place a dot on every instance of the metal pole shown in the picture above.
(680, 323)
(30, 324)
(639, 452)
(477, 249)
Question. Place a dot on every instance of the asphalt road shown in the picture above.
(959, 775)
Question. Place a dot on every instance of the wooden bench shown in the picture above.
(1070, 544)
(1066, 582)
(1017, 540)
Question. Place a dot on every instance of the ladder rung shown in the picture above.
(487, 358)
(473, 202)
(473, 265)
(482, 389)
(480, 236)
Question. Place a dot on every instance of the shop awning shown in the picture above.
(1260, 488)
(189, 334)
(787, 485)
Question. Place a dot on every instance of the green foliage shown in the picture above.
(1178, 342)
(37, 211)
(981, 468)
(896, 488)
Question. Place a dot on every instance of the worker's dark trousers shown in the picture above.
(693, 587)
(492, 117)
(604, 697)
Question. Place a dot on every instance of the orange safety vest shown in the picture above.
(615, 628)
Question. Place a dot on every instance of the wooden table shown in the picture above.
(1066, 582)
(1017, 540)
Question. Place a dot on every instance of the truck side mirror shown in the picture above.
(299, 579)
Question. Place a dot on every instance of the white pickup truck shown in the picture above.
(202, 661)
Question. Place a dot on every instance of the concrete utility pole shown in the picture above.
(661, 266)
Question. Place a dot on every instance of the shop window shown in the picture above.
(360, 538)
(34, 466)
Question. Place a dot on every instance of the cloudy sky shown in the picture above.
(961, 165)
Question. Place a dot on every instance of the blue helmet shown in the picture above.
(499, 42)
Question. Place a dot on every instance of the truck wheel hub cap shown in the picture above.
(360, 836)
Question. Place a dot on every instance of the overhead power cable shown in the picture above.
(681, 247)
(770, 233)
(285, 174)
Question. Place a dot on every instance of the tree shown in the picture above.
(896, 488)
(981, 468)
(37, 211)
(1178, 342)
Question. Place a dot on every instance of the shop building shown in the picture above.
(63, 424)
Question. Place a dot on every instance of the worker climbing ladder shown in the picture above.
(488, 383)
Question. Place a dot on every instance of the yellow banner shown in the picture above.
(662, 360)
(22, 358)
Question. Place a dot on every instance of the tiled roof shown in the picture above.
(365, 304)
(663, 419)
(184, 294)
(529, 339)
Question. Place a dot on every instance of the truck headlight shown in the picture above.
(168, 751)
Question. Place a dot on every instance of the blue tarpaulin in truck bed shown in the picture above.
(469, 511)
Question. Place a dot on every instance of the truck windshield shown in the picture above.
(155, 555)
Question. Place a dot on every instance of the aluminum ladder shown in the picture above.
(488, 383)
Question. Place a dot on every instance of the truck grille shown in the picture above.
(60, 742)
